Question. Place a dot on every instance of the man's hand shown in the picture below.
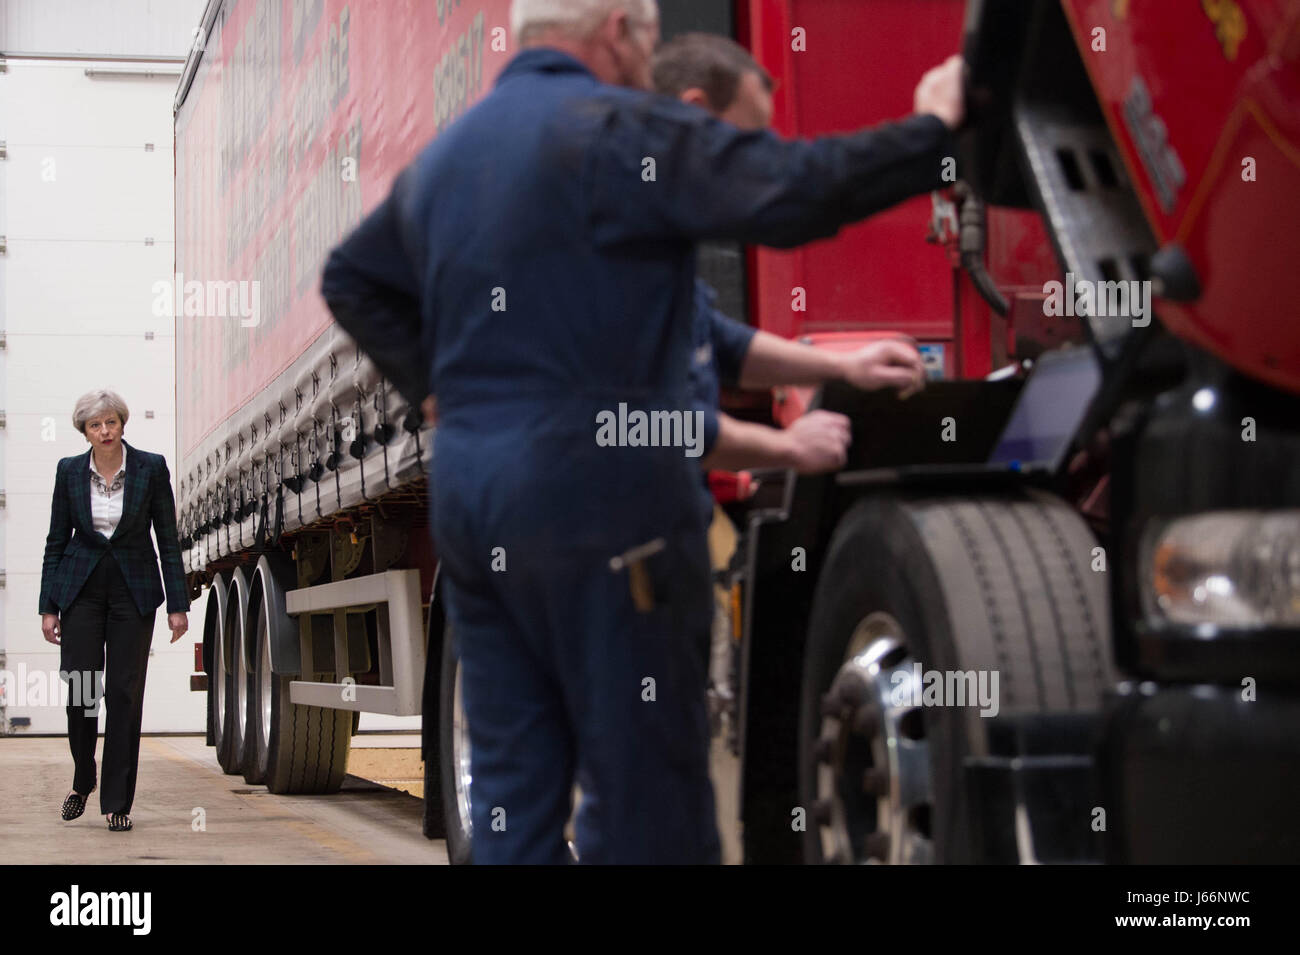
(940, 92)
(50, 627)
(888, 363)
(818, 442)
(178, 623)
(430, 408)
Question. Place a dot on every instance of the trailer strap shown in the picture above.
(259, 532)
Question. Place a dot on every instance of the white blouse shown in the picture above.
(106, 498)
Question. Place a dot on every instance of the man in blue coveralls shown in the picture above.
(719, 75)
(534, 268)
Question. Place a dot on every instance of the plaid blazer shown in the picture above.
(74, 547)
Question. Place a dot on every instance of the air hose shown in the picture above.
(971, 241)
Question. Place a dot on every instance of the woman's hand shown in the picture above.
(178, 623)
(50, 627)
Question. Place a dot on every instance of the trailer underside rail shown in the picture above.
(401, 643)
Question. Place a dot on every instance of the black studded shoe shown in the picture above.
(119, 822)
(74, 805)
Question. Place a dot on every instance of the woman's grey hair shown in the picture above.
(95, 403)
(575, 17)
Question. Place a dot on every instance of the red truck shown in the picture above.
(1087, 524)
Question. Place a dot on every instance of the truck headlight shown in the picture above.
(1224, 568)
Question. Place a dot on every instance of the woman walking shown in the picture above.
(100, 593)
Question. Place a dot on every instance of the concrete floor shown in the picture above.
(363, 823)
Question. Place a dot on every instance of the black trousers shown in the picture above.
(104, 617)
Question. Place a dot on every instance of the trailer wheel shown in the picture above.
(214, 638)
(453, 746)
(307, 750)
(257, 750)
(434, 825)
(234, 679)
(991, 584)
(302, 749)
(213, 735)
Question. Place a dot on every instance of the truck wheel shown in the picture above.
(257, 749)
(213, 736)
(453, 745)
(214, 637)
(230, 750)
(306, 746)
(991, 585)
(434, 825)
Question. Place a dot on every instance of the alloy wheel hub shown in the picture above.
(874, 786)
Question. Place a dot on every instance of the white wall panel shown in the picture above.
(99, 27)
(76, 296)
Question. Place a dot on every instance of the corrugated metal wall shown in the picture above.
(140, 28)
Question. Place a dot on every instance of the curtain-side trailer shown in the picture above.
(302, 498)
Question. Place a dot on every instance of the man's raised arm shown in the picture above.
(658, 170)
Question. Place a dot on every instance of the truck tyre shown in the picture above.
(305, 747)
(453, 745)
(213, 733)
(434, 824)
(257, 748)
(214, 639)
(986, 584)
(230, 750)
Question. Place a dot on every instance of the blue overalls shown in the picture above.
(534, 267)
(720, 346)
